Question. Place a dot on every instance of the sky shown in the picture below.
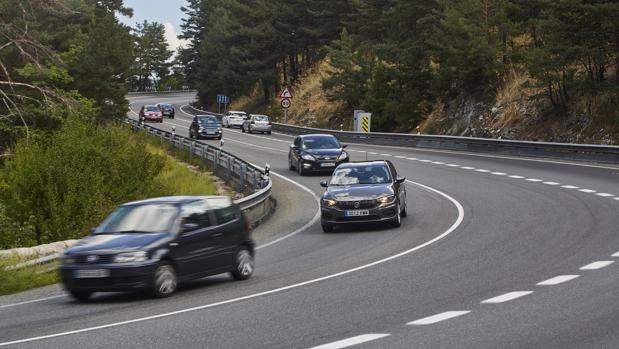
(163, 11)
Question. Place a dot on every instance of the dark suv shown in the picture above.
(154, 244)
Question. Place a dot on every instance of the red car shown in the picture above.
(151, 113)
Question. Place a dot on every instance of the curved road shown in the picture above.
(496, 253)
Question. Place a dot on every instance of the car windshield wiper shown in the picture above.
(130, 232)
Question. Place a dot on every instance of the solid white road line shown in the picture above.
(32, 301)
(352, 341)
(569, 187)
(557, 280)
(451, 229)
(597, 265)
(438, 318)
(506, 297)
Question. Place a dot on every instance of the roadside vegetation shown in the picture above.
(466, 67)
(16, 280)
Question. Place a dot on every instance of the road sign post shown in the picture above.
(285, 95)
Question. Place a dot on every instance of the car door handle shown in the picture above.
(173, 243)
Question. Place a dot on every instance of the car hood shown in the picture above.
(209, 125)
(358, 192)
(324, 152)
(129, 241)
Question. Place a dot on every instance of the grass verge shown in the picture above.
(16, 280)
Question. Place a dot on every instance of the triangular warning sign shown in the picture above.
(285, 93)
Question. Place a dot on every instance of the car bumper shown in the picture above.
(260, 128)
(121, 277)
(168, 113)
(334, 215)
(321, 165)
(238, 123)
(206, 134)
(153, 118)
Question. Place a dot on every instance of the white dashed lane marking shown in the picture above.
(482, 170)
(604, 195)
(438, 318)
(516, 177)
(345, 343)
(467, 168)
(569, 187)
(506, 297)
(616, 254)
(552, 183)
(587, 190)
(533, 180)
(499, 173)
(557, 280)
(597, 265)
(452, 165)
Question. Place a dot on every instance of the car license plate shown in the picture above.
(210, 132)
(357, 213)
(91, 273)
(328, 164)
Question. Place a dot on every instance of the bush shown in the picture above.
(13, 234)
(71, 179)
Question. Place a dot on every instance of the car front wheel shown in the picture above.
(405, 208)
(243, 264)
(164, 280)
(397, 220)
(300, 168)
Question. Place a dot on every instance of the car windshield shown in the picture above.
(211, 121)
(152, 108)
(323, 142)
(139, 218)
(261, 118)
(366, 174)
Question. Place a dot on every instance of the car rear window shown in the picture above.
(152, 108)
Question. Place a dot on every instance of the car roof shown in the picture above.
(362, 163)
(172, 200)
(317, 135)
(236, 112)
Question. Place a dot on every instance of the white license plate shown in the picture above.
(210, 132)
(328, 164)
(357, 213)
(91, 273)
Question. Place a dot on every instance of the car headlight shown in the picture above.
(67, 259)
(329, 202)
(200, 128)
(308, 157)
(386, 199)
(343, 156)
(128, 257)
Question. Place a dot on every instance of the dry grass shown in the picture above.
(511, 97)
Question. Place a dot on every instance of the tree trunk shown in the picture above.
(284, 70)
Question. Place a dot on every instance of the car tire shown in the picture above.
(300, 168)
(405, 208)
(190, 134)
(164, 280)
(244, 264)
(397, 221)
(242, 129)
(327, 228)
(290, 165)
(219, 138)
(80, 296)
(249, 130)
(268, 132)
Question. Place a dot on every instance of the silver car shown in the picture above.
(257, 123)
(233, 118)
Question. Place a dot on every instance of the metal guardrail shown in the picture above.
(562, 151)
(161, 92)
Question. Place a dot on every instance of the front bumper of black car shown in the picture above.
(335, 215)
(120, 277)
(321, 165)
(207, 133)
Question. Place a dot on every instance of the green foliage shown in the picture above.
(16, 280)
(69, 180)
(152, 54)
(14, 234)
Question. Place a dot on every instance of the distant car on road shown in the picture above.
(206, 126)
(361, 192)
(234, 118)
(150, 113)
(167, 110)
(257, 123)
(316, 152)
(154, 244)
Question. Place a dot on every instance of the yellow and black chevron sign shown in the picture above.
(365, 124)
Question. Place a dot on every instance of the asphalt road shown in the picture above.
(496, 253)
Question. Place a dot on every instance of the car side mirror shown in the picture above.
(186, 227)
(292, 146)
(323, 183)
(400, 180)
(344, 146)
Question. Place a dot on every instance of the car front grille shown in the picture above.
(354, 205)
(101, 259)
(326, 157)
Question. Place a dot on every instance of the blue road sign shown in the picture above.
(223, 99)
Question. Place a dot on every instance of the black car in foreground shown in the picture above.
(154, 244)
(205, 126)
(316, 152)
(361, 192)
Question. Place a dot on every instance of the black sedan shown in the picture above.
(167, 110)
(361, 192)
(316, 152)
(205, 126)
(154, 244)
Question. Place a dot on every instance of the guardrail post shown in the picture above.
(242, 175)
(228, 169)
(191, 145)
